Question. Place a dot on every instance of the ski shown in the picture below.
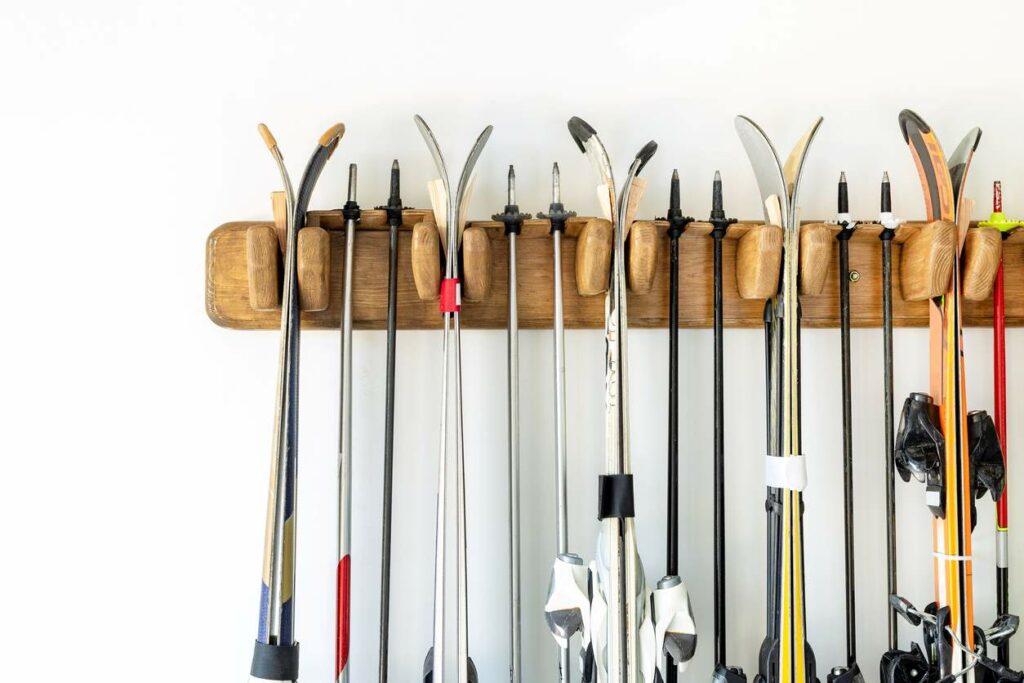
(513, 219)
(630, 629)
(451, 378)
(786, 656)
(394, 217)
(955, 452)
(889, 223)
(850, 671)
(276, 653)
(567, 601)
(677, 223)
(344, 591)
(723, 672)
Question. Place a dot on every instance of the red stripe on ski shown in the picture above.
(343, 613)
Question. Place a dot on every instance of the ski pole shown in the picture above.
(567, 597)
(723, 672)
(889, 223)
(998, 220)
(676, 226)
(344, 606)
(850, 671)
(513, 220)
(451, 363)
(394, 214)
(276, 654)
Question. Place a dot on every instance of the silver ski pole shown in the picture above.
(344, 602)
(513, 220)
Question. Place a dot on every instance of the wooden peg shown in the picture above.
(815, 257)
(644, 241)
(982, 252)
(758, 261)
(594, 257)
(263, 259)
(476, 264)
(426, 260)
(927, 261)
(314, 262)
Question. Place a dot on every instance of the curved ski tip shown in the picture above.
(422, 125)
(268, 137)
(976, 132)
(581, 131)
(484, 135)
(645, 154)
(332, 135)
(909, 117)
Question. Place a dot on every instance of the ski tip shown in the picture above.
(581, 131)
(645, 154)
(332, 135)
(268, 137)
(977, 139)
(909, 118)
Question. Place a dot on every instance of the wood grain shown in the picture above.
(642, 260)
(594, 257)
(263, 267)
(425, 258)
(815, 255)
(227, 290)
(982, 251)
(927, 261)
(314, 262)
(477, 265)
(758, 262)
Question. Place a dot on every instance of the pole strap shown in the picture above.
(615, 496)
(451, 295)
(789, 472)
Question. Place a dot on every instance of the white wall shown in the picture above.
(136, 433)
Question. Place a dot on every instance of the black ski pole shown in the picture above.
(886, 236)
(723, 673)
(851, 671)
(394, 213)
(677, 223)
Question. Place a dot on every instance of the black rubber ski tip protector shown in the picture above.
(846, 674)
(908, 117)
(581, 131)
(615, 496)
(275, 662)
(728, 674)
(645, 154)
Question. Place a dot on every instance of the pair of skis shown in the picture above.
(450, 216)
(276, 653)
(785, 655)
(626, 629)
(956, 453)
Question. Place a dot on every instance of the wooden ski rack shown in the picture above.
(236, 276)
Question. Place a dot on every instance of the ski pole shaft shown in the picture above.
(672, 494)
(999, 352)
(344, 568)
(843, 236)
(886, 237)
(394, 214)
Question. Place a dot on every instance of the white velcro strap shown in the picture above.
(789, 472)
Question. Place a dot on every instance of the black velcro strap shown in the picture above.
(615, 496)
(275, 662)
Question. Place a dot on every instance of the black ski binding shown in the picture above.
(920, 447)
(728, 674)
(846, 674)
(988, 473)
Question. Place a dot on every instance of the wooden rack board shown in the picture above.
(227, 298)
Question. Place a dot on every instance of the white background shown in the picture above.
(136, 434)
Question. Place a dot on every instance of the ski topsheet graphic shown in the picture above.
(626, 628)
(785, 656)
(954, 452)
